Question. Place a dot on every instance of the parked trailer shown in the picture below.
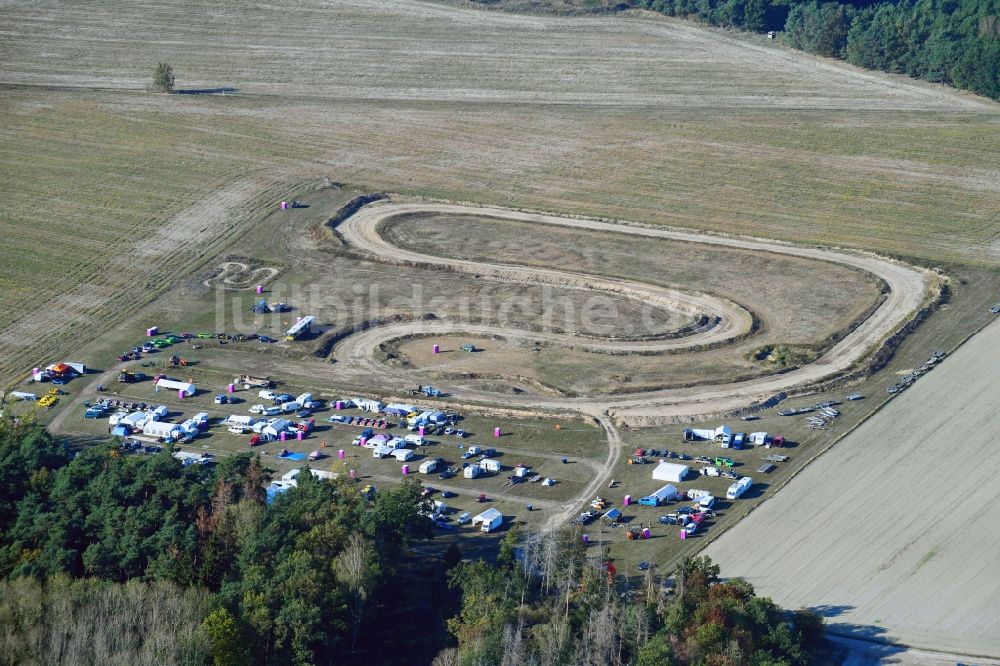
(737, 489)
(490, 465)
(428, 466)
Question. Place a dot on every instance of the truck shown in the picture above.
(706, 503)
(249, 382)
(737, 489)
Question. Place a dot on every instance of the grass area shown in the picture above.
(797, 301)
(549, 368)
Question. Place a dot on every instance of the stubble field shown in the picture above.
(919, 567)
(638, 118)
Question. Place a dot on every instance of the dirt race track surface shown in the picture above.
(921, 569)
(908, 288)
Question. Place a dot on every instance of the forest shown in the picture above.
(956, 42)
(107, 558)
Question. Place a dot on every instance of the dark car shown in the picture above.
(668, 520)
(448, 494)
(267, 339)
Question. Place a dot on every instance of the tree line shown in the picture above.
(123, 559)
(107, 556)
(546, 602)
(956, 42)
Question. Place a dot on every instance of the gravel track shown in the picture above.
(908, 288)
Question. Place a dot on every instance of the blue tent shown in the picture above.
(120, 431)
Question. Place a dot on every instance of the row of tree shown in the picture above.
(286, 582)
(553, 605)
(945, 41)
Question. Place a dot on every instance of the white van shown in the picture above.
(272, 411)
(238, 429)
(266, 395)
(464, 518)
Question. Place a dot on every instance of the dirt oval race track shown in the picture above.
(908, 287)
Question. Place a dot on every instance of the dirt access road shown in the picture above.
(893, 533)
(908, 288)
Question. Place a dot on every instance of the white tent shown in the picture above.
(161, 429)
(276, 427)
(187, 388)
(489, 519)
(670, 472)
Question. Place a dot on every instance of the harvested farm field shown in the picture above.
(634, 117)
(918, 564)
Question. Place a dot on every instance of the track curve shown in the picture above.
(907, 290)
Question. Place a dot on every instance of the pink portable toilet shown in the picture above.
(282, 435)
(627, 500)
(260, 289)
(338, 405)
(299, 435)
(496, 432)
(152, 330)
(406, 470)
(437, 349)
(340, 454)
(364, 440)
(231, 388)
(180, 394)
(420, 430)
(683, 534)
(284, 205)
(586, 539)
(645, 532)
